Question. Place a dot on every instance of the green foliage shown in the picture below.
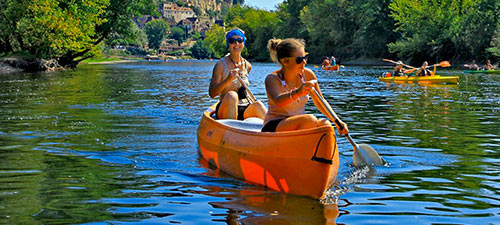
(290, 25)
(54, 28)
(178, 34)
(495, 45)
(348, 29)
(259, 26)
(65, 29)
(215, 41)
(135, 37)
(156, 31)
(201, 51)
(444, 29)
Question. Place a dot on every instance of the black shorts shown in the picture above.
(271, 125)
(241, 110)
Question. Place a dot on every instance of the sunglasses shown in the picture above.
(299, 59)
(234, 40)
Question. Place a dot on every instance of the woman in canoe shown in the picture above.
(233, 102)
(423, 71)
(288, 89)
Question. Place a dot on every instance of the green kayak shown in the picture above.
(482, 71)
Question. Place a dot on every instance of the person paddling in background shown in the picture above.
(233, 102)
(326, 62)
(423, 71)
(472, 66)
(399, 70)
(333, 62)
(488, 65)
(288, 89)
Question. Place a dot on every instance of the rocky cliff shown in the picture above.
(211, 5)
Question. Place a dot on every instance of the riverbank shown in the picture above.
(14, 64)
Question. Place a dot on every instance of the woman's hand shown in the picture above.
(344, 131)
(305, 88)
(233, 73)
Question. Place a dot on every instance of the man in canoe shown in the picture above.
(288, 89)
(423, 71)
(233, 102)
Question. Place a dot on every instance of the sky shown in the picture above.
(263, 4)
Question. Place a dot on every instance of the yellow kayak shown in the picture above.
(421, 79)
(302, 162)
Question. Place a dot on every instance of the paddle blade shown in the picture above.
(366, 155)
(444, 64)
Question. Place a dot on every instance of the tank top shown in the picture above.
(297, 107)
(235, 85)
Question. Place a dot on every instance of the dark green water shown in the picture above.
(116, 144)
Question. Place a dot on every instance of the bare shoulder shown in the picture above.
(218, 68)
(309, 74)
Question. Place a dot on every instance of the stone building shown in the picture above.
(172, 10)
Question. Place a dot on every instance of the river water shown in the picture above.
(116, 144)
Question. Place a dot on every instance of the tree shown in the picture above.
(216, 41)
(177, 33)
(259, 26)
(156, 31)
(201, 51)
(444, 29)
(66, 30)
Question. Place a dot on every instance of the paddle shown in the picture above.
(392, 61)
(252, 98)
(363, 153)
(441, 64)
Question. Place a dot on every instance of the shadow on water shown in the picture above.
(117, 144)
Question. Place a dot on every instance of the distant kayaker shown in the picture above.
(423, 71)
(473, 65)
(326, 62)
(333, 62)
(399, 70)
(233, 102)
(288, 89)
(488, 65)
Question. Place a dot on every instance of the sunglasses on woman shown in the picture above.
(299, 59)
(234, 40)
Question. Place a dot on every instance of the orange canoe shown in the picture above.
(335, 67)
(302, 162)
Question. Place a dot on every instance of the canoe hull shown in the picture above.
(424, 79)
(335, 67)
(281, 161)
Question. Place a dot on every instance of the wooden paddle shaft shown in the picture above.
(252, 98)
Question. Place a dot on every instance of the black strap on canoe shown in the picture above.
(320, 159)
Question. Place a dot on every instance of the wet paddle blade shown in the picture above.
(366, 155)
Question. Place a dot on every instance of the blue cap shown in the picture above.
(235, 32)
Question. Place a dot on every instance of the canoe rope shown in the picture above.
(320, 159)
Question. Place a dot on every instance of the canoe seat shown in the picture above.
(252, 124)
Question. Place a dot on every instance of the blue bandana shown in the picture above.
(235, 32)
